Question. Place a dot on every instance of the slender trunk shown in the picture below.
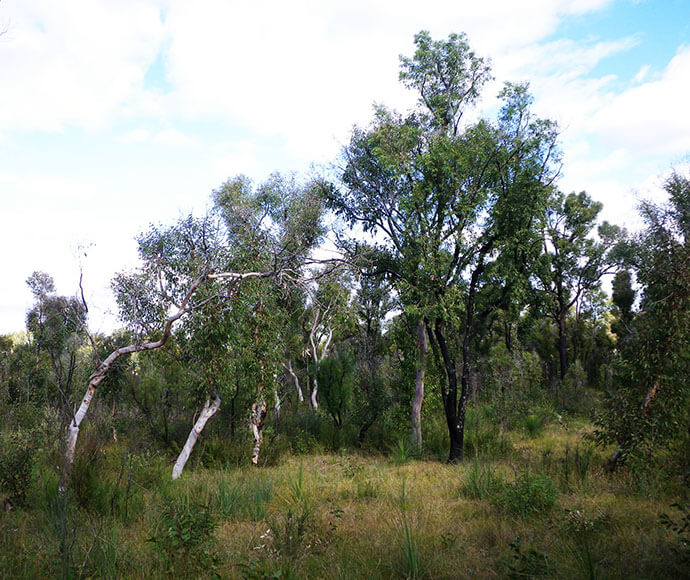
(422, 348)
(98, 376)
(73, 428)
(276, 407)
(314, 391)
(295, 378)
(455, 416)
(206, 413)
(257, 424)
(562, 345)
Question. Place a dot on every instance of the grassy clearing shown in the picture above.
(544, 508)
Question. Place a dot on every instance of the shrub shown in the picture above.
(529, 495)
(16, 463)
(534, 425)
(184, 539)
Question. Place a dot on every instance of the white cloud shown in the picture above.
(650, 117)
(73, 63)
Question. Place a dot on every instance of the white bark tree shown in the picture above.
(207, 412)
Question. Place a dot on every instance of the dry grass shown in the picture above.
(349, 520)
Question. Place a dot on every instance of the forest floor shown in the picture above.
(542, 507)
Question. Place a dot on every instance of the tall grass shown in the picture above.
(312, 516)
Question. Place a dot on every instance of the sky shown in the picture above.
(116, 114)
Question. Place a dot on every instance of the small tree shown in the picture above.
(647, 406)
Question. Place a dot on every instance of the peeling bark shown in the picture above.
(257, 424)
(422, 347)
(206, 413)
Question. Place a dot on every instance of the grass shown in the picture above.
(341, 516)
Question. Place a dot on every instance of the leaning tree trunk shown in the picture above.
(295, 378)
(422, 348)
(98, 376)
(206, 413)
(257, 424)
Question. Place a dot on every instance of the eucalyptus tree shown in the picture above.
(56, 326)
(327, 313)
(197, 266)
(454, 206)
(647, 406)
(573, 262)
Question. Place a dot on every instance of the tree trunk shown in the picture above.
(562, 345)
(422, 348)
(295, 378)
(206, 413)
(98, 376)
(314, 392)
(257, 424)
(455, 415)
(276, 407)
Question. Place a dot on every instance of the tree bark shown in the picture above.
(295, 378)
(455, 415)
(422, 348)
(206, 413)
(257, 424)
(562, 345)
(97, 377)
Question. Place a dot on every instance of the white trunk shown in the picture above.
(257, 425)
(419, 385)
(276, 404)
(96, 378)
(73, 428)
(206, 413)
(300, 395)
(314, 394)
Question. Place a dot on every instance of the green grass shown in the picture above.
(544, 506)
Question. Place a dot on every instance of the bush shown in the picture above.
(184, 539)
(529, 495)
(16, 463)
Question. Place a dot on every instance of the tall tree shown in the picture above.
(573, 261)
(455, 207)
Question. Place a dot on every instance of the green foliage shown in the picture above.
(527, 562)
(646, 407)
(481, 481)
(17, 455)
(408, 538)
(184, 539)
(482, 438)
(530, 495)
(336, 379)
(680, 525)
(534, 425)
(292, 525)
